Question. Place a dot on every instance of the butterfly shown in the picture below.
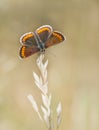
(38, 41)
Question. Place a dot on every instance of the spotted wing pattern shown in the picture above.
(28, 39)
(44, 32)
(54, 39)
(26, 51)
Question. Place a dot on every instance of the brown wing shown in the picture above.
(26, 51)
(54, 39)
(44, 32)
(28, 39)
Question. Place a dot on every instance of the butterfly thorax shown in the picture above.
(40, 44)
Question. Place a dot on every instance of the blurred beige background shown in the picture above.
(73, 71)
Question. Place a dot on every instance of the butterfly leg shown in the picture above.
(42, 51)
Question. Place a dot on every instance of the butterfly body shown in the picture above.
(38, 41)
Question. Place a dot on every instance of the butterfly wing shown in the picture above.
(26, 51)
(28, 39)
(44, 32)
(54, 39)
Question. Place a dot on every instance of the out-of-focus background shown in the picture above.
(73, 70)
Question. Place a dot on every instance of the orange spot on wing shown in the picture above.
(26, 37)
(43, 29)
(58, 36)
(23, 52)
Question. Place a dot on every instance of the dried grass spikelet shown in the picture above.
(42, 83)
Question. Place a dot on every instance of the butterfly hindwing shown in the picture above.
(26, 51)
(54, 39)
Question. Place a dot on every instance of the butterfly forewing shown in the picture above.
(54, 39)
(44, 32)
(28, 39)
(26, 51)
